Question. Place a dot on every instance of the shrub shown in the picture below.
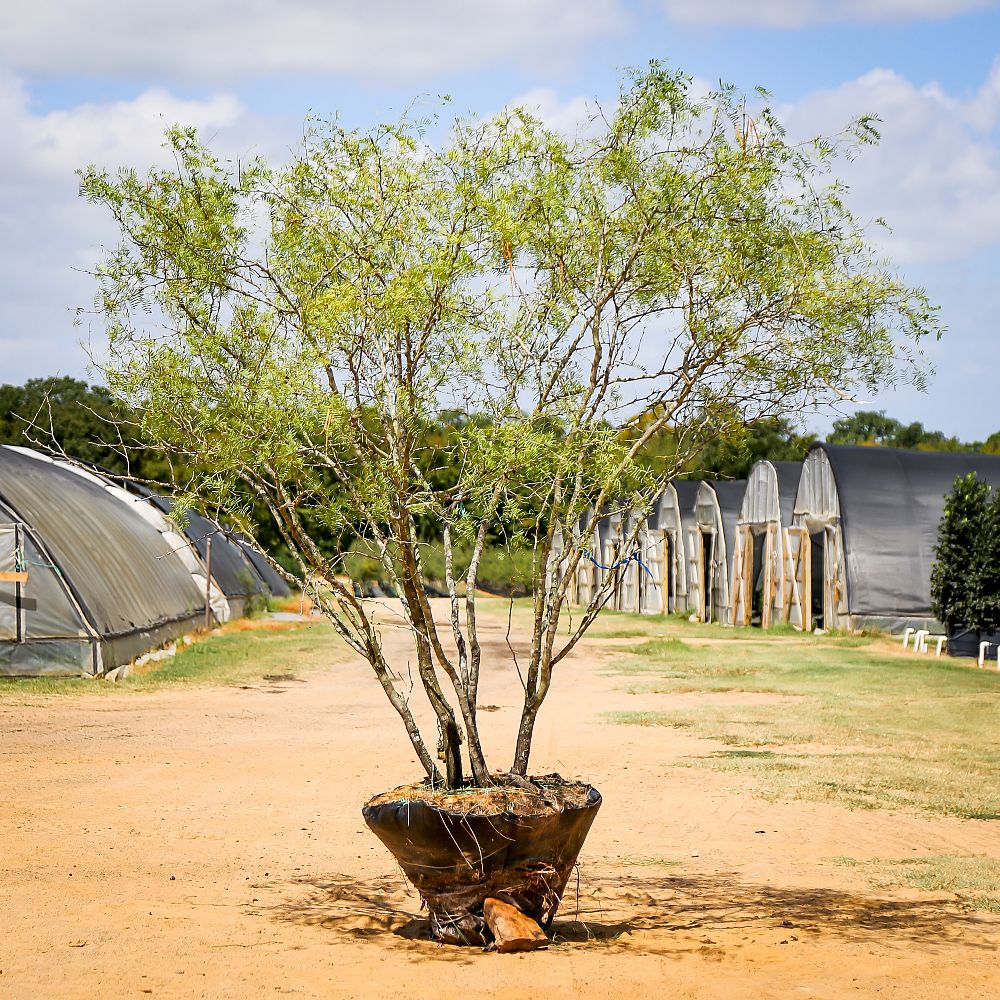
(958, 567)
(986, 575)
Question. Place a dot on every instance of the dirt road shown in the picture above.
(208, 842)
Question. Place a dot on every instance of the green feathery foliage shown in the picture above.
(291, 331)
(955, 589)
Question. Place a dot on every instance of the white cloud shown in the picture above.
(572, 116)
(801, 13)
(50, 233)
(584, 116)
(54, 144)
(934, 177)
(222, 40)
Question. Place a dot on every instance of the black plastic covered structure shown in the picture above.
(103, 584)
(730, 493)
(275, 582)
(687, 493)
(239, 568)
(231, 566)
(761, 595)
(788, 474)
(874, 514)
(716, 509)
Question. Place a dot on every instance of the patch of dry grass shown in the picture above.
(241, 652)
(974, 879)
(852, 723)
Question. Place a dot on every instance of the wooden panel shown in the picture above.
(805, 556)
(800, 574)
(767, 598)
(702, 582)
(670, 572)
(748, 580)
(735, 591)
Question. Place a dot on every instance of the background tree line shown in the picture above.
(86, 423)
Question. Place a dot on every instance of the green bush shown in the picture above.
(987, 567)
(962, 555)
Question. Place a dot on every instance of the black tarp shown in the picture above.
(687, 491)
(730, 493)
(788, 487)
(891, 502)
(132, 589)
(275, 582)
(232, 570)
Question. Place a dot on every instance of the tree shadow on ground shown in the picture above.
(663, 914)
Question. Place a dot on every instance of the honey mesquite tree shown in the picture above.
(290, 329)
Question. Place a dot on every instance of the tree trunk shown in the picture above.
(451, 739)
(525, 731)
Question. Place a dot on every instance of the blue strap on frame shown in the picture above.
(634, 557)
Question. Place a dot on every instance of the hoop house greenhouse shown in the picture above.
(864, 529)
(276, 584)
(664, 580)
(588, 574)
(717, 506)
(229, 564)
(675, 518)
(88, 579)
(762, 587)
(93, 575)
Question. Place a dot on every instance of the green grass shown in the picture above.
(851, 724)
(617, 633)
(658, 648)
(230, 658)
(974, 879)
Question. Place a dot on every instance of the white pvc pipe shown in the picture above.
(920, 640)
(942, 639)
(983, 646)
(907, 632)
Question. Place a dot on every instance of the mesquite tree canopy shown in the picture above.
(294, 329)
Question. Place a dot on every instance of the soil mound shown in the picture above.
(544, 795)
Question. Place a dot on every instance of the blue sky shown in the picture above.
(76, 87)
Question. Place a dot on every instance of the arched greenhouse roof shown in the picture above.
(891, 501)
(232, 567)
(788, 486)
(730, 494)
(132, 589)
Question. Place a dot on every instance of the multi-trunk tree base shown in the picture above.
(460, 847)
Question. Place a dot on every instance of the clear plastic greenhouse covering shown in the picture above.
(891, 502)
(103, 584)
(769, 497)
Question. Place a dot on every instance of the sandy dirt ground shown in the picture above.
(209, 843)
